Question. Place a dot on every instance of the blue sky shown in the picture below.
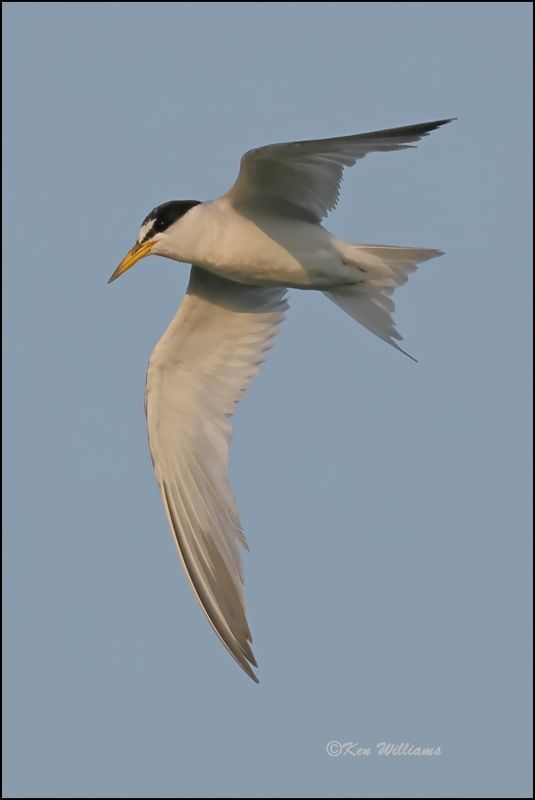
(387, 504)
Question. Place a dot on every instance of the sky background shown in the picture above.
(386, 503)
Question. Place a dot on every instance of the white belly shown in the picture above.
(266, 250)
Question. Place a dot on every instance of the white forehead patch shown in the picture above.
(145, 228)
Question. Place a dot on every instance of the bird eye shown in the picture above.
(159, 225)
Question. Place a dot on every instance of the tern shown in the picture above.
(246, 248)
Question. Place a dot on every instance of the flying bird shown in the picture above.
(246, 249)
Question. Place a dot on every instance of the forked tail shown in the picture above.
(383, 268)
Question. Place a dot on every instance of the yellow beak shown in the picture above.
(136, 253)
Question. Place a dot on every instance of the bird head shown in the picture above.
(155, 233)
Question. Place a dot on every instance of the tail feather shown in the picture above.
(383, 269)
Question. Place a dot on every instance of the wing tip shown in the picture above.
(401, 350)
(417, 131)
(437, 123)
(246, 667)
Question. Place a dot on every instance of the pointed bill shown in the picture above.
(135, 254)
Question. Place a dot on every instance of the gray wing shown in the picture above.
(196, 376)
(304, 178)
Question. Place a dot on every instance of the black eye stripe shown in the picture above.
(166, 214)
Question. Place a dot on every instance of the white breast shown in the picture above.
(257, 249)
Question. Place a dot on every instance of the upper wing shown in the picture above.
(304, 178)
(197, 373)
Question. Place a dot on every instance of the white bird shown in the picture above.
(246, 248)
